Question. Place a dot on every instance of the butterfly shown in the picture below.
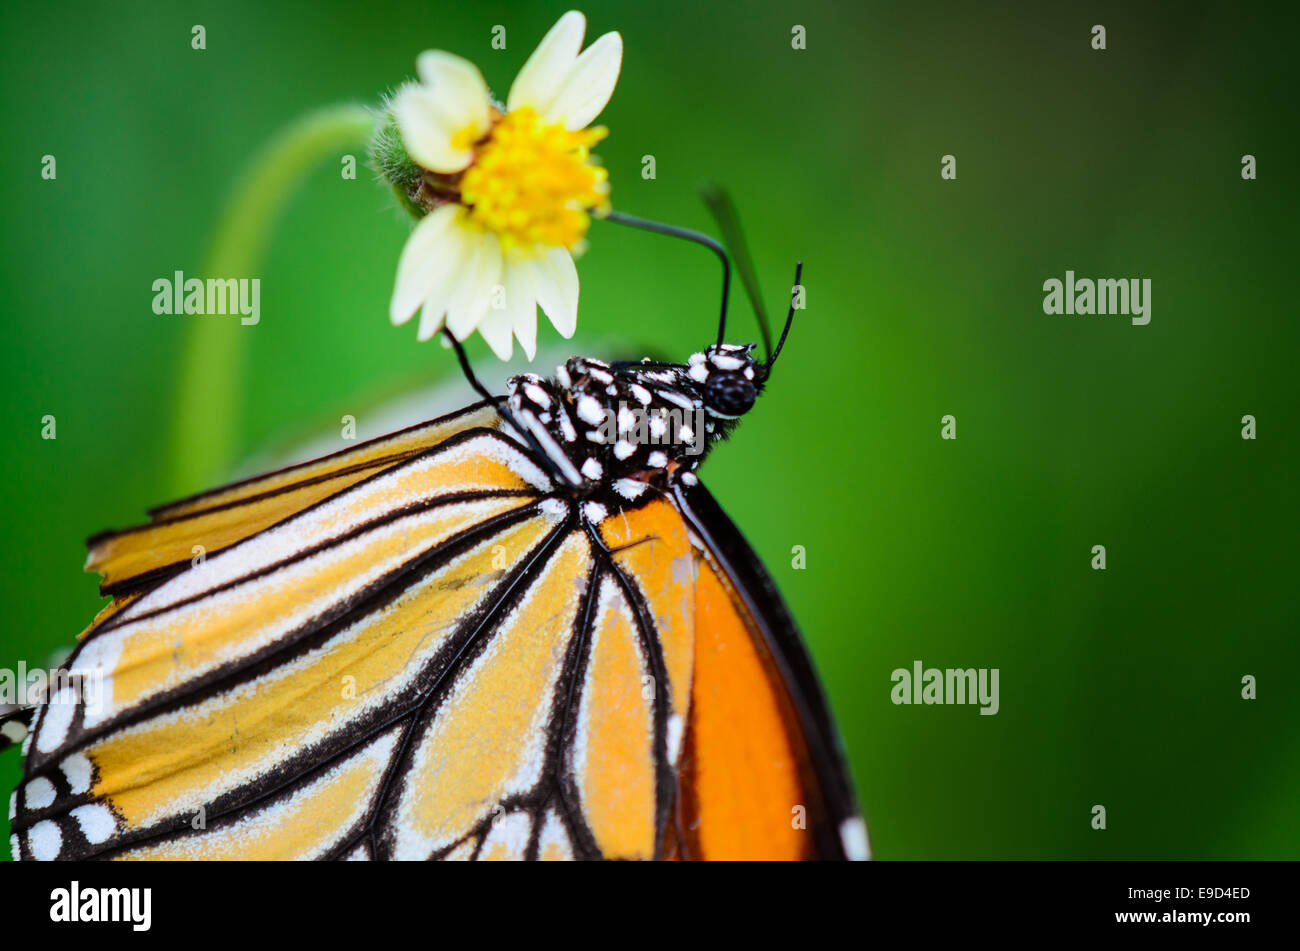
(525, 630)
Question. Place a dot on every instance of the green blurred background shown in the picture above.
(1119, 688)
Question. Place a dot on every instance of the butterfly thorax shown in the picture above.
(613, 431)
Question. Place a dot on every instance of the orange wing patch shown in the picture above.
(740, 794)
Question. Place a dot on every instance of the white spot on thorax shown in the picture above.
(673, 396)
(630, 488)
(590, 410)
(553, 509)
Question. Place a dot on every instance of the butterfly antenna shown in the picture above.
(688, 235)
(724, 213)
(789, 319)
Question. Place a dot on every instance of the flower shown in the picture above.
(508, 191)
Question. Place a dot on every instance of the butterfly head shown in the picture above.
(729, 379)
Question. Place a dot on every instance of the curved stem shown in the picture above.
(207, 403)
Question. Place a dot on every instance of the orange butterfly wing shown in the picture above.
(759, 769)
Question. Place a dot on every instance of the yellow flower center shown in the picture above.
(532, 184)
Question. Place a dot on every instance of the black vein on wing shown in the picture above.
(382, 840)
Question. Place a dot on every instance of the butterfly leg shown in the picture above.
(503, 409)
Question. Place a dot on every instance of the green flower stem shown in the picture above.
(208, 395)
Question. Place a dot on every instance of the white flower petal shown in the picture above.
(425, 135)
(458, 83)
(466, 281)
(539, 82)
(590, 84)
(557, 289)
(433, 315)
(470, 307)
(495, 328)
(461, 92)
(423, 261)
(521, 302)
(463, 242)
(458, 252)
(431, 116)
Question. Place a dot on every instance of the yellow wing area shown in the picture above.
(201, 525)
(166, 766)
(487, 744)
